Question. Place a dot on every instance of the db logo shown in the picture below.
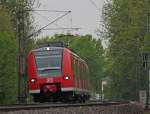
(50, 80)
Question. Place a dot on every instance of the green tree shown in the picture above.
(8, 74)
(20, 30)
(125, 22)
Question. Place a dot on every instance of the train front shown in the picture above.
(44, 73)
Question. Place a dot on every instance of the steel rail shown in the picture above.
(47, 106)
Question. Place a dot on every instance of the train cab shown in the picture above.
(51, 75)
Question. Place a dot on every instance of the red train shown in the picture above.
(57, 74)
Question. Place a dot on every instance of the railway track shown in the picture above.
(16, 107)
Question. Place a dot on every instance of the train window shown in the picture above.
(85, 72)
(48, 64)
(83, 75)
(82, 71)
(76, 70)
(79, 69)
(73, 67)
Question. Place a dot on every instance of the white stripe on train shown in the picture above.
(62, 89)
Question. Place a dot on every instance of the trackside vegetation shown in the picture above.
(127, 29)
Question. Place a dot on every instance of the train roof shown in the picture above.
(74, 54)
(52, 48)
(46, 48)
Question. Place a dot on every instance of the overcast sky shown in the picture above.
(85, 14)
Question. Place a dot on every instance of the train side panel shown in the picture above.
(80, 75)
(33, 87)
(66, 84)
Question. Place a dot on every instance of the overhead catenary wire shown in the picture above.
(99, 10)
(46, 18)
(94, 4)
(58, 11)
(62, 29)
(32, 2)
(49, 24)
(58, 26)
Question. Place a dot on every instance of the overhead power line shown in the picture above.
(59, 11)
(45, 18)
(62, 29)
(94, 4)
(49, 24)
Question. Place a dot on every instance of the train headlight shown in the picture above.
(33, 80)
(47, 48)
(66, 77)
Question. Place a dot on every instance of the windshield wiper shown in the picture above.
(49, 68)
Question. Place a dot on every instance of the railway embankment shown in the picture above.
(93, 108)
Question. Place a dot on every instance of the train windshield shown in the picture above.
(48, 62)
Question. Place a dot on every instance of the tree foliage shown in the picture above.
(9, 44)
(21, 9)
(8, 74)
(126, 21)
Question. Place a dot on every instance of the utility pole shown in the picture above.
(145, 65)
(146, 55)
(21, 59)
(22, 37)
